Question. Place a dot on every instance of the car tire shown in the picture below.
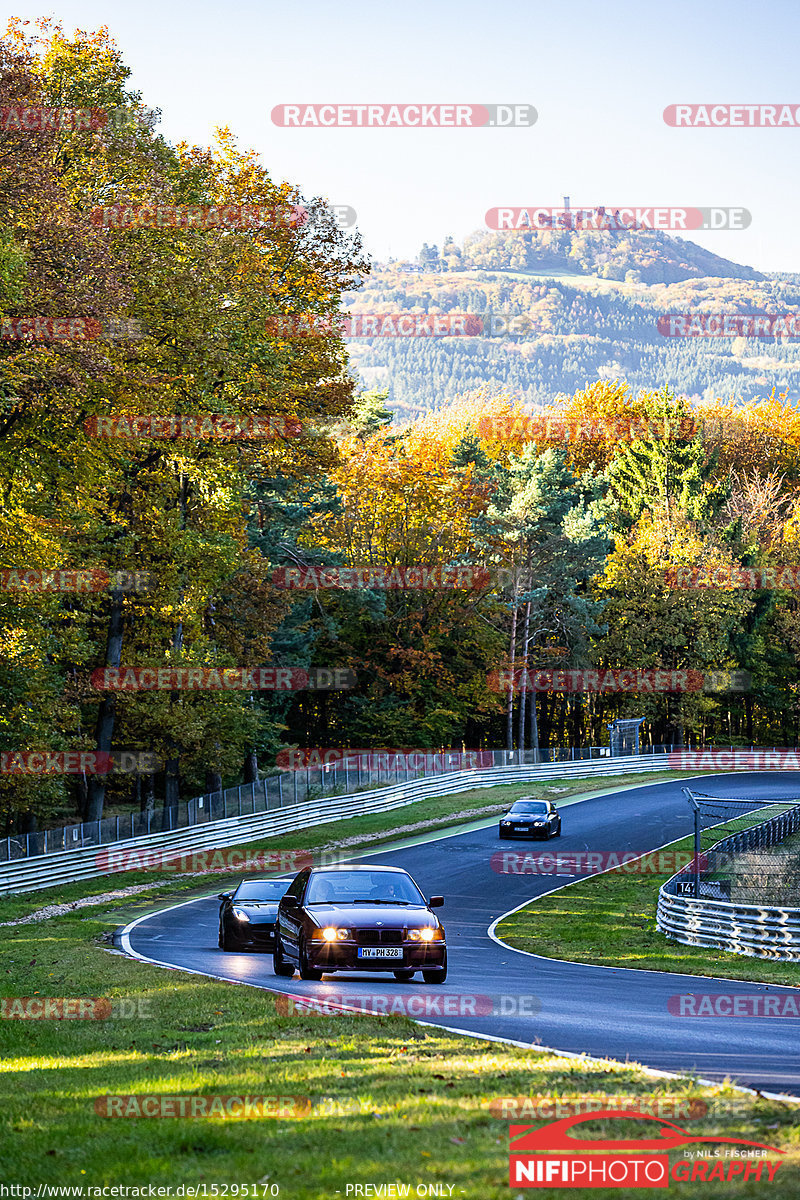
(219, 938)
(279, 965)
(558, 830)
(437, 974)
(501, 834)
(403, 976)
(229, 943)
(307, 972)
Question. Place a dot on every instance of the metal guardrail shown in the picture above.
(276, 791)
(758, 930)
(33, 874)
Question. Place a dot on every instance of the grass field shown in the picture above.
(391, 1101)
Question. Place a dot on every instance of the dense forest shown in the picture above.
(591, 301)
(570, 540)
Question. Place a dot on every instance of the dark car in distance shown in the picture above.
(530, 817)
(359, 919)
(247, 916)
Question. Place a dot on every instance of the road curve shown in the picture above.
(600, 1011)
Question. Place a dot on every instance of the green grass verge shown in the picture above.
(610, 920)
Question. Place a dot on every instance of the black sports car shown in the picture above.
(531, 818)
(359, 919)
(247, 916)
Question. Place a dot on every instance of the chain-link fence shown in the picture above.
(757, 861)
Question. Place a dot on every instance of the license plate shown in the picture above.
(521, 828)
(380, 952)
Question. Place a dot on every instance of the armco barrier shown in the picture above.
(758, 930)
(44, 871)
(739, 928)
(275, 791)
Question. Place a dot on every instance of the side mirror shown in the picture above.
(224, 896)
(436, 902)
(290, 901)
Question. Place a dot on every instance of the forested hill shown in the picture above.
(593, 300)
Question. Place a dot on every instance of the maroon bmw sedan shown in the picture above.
(359, 919)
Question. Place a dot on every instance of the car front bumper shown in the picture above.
(540, 831)
(256, 937)
(343, 956)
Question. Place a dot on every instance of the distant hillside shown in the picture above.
(648, 257)
(593, 300)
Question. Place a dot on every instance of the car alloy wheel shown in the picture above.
(279, 964)
(307, 972)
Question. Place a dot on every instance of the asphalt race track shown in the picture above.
(622, 1014)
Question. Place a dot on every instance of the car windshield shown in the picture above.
(261, 889)
(370, 887)
(531, 806)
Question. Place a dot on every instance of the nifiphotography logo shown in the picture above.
(549, 1157)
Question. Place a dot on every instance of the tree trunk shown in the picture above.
(523, 694)
(510, 707)
(104, 731)
(251, 767)
(534, 728)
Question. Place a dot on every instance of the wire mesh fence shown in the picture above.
(746, 851)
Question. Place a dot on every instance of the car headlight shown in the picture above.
(240, 914)
(332, 935)
(422, 935)
(505, 822)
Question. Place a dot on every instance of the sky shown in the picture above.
(599, 75)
